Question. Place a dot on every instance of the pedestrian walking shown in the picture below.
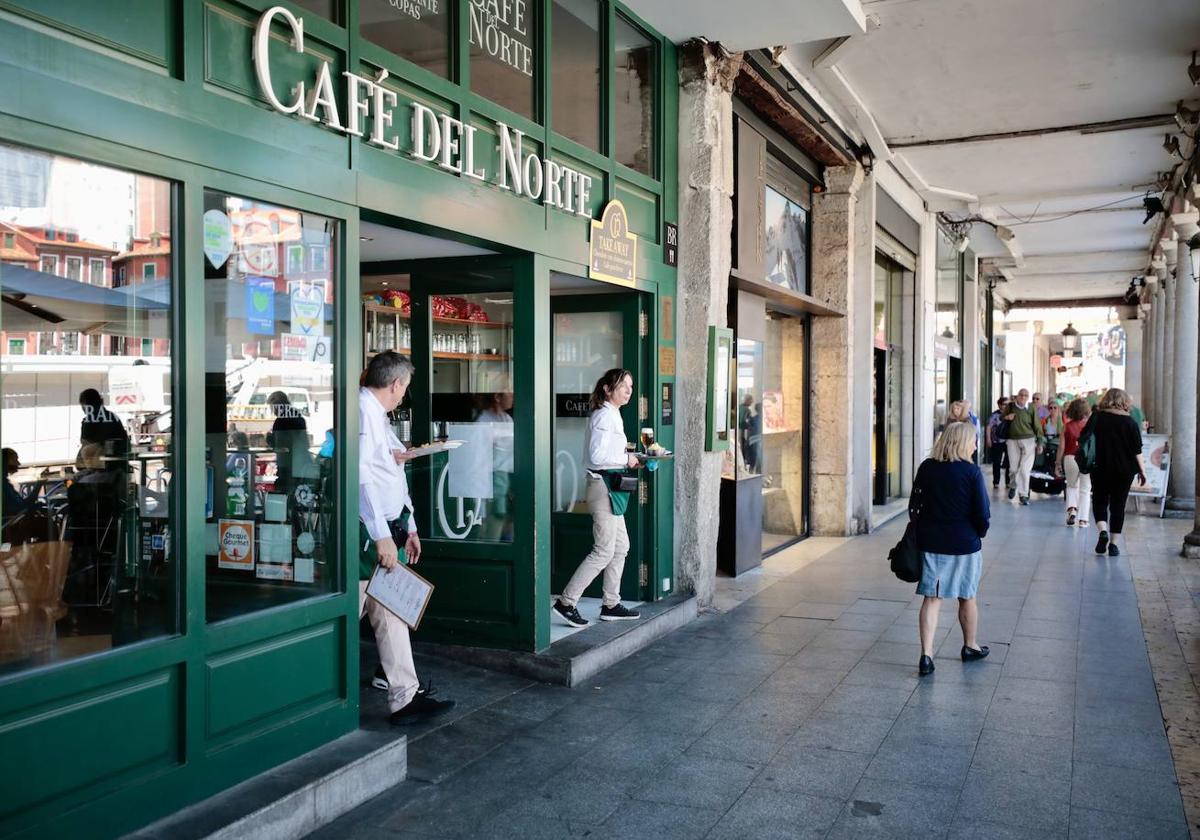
(388, 527)
(1079, 485)
(607, 459)
(1024, 443)
(950, 525)
(1052, 423)
(996, 437)
(1118, 459)
(960, 412)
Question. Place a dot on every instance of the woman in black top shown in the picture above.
(1118, 460)
(950, 524)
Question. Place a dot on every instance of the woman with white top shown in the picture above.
(606, 455)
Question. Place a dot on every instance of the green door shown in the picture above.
(472, 333)
(591, 334)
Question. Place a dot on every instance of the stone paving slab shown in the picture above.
(796, 710)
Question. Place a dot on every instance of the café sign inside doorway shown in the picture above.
(613, 252)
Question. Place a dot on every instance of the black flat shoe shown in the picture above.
(1102, 543)
(969, 654)
(925, 666)
(1113, 551)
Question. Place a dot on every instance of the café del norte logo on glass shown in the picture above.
(437, 138)
(613, 249)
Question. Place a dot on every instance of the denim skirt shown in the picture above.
(950, 575)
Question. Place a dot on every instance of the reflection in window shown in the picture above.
(269, 408)
(87, 558)
(575, 70)
(472, 401)
(949, 288)
(586, 344)
(325, 8)
(782, 423)
(633, 116)
(418, 30)
(786, 242)
(502, 34)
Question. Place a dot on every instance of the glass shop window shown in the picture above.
(633, 117)
(417, 30)
(88, 553)
(575, 70)
(327, 9)
(949, 289)
(502, 35)
(269, 407)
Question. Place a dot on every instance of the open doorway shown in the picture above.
(596, 327)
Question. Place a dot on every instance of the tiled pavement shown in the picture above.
(799, 714)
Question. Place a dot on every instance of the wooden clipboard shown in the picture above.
(402, 592)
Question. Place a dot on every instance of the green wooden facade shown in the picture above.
(101, 745)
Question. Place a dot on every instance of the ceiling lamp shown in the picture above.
(1153, 206)
(1185, 116)
(1194, 70)
(1070, 337)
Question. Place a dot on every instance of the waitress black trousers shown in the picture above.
(1109, 495)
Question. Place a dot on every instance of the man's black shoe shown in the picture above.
(570, 614)
(1025, 500)
(421, 708)
(380, 679)
(1012, 492)
(1102, 543)
(618, 613)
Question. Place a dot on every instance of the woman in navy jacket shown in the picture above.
(950, 526)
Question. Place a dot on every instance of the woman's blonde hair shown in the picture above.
(1115, 399)
(955, 443)
(959, 413)
(1078, 409)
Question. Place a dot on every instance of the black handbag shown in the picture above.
(905, 558)
(621, 482)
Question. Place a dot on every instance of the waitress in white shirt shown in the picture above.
(606, 457)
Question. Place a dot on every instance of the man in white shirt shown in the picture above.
(386, 512)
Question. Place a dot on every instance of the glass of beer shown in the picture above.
(647, 438)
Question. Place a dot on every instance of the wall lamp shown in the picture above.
(1070, 337)
(1153, 206)
(1194, 70)
(1171, 145)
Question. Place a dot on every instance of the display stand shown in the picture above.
(1156, 459)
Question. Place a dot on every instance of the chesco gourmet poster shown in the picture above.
(236, 545)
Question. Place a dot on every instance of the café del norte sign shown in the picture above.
(437, 138)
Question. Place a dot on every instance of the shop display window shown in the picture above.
(949, 289)
(636, 66)
(417, 30)
(503, 37)
(89, 552)
(575, 70)
(270, 406)
(786, 241)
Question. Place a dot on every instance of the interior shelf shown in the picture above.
(394, 312)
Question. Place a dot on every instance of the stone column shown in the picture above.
(1134, 342)
(1182, 489)
(706, 77)
(1191, 543)
(832, 345)
(1150, 329)
(1160, 333)
(1168, 351)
